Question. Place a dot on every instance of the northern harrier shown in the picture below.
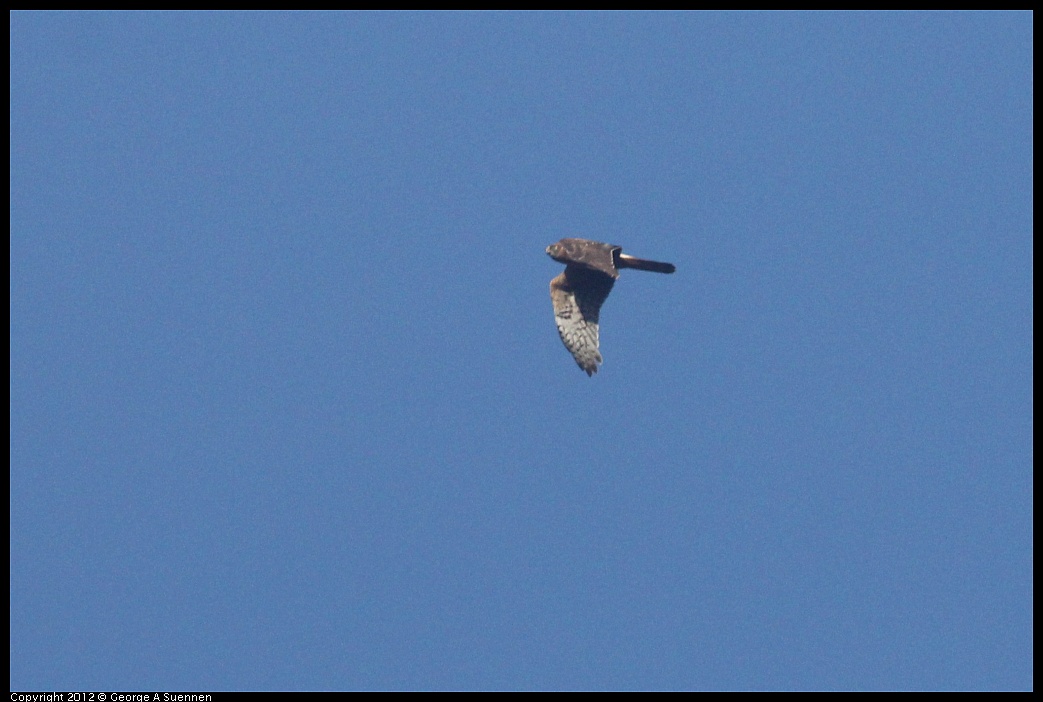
(591, 268)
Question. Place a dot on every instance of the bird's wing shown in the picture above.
(577, 295)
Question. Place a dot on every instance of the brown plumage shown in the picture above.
(591, 269)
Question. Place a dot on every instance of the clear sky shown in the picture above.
(289, 409)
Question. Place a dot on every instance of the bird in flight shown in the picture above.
(591, 268)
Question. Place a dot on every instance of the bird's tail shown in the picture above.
(626, 261)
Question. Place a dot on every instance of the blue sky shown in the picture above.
(289, 410)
